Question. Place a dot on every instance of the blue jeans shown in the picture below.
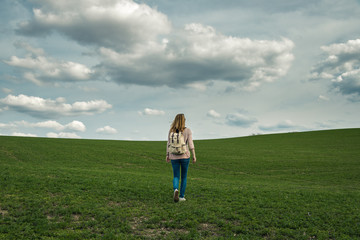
(176, 165)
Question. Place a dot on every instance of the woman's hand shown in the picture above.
(193, 155)
(167, 159)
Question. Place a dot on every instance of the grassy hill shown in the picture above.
(282, 186)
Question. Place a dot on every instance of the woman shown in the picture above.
(180, 161)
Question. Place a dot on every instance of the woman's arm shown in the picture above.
(167, 148)
(191, 146)
(193, 155)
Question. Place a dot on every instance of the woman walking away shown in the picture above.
(178, 145)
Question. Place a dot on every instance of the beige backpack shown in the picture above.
(177, 143)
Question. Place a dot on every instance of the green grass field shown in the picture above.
(283, 186)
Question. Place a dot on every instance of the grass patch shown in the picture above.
(281, 186)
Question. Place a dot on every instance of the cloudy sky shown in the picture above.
(122, 69)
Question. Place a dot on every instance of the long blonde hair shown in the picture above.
(178, 124)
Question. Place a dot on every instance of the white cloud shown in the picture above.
(213, 114)
(137, 45)
(152, 112)
(48, 108)
(5, 125)
(240, 120)
(40, 69)
(29, 48)
(88, 89)
(19, 134)
(324, 98)
(106, 130)
(72, 126)
(62, 135)
(116, 24)
(46, 124)
(76, 126)
(341, 67)
(198, 86)
(6, 90)
(199, 54)
(285, 125)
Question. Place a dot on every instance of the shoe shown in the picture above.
(182, 199)
(176, 195)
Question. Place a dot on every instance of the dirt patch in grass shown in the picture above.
(209, 229)
(76, 217)
(140, 228)
(3, 212)
(116, 204)
(137, 222)
(160, 232)
(9, 154)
